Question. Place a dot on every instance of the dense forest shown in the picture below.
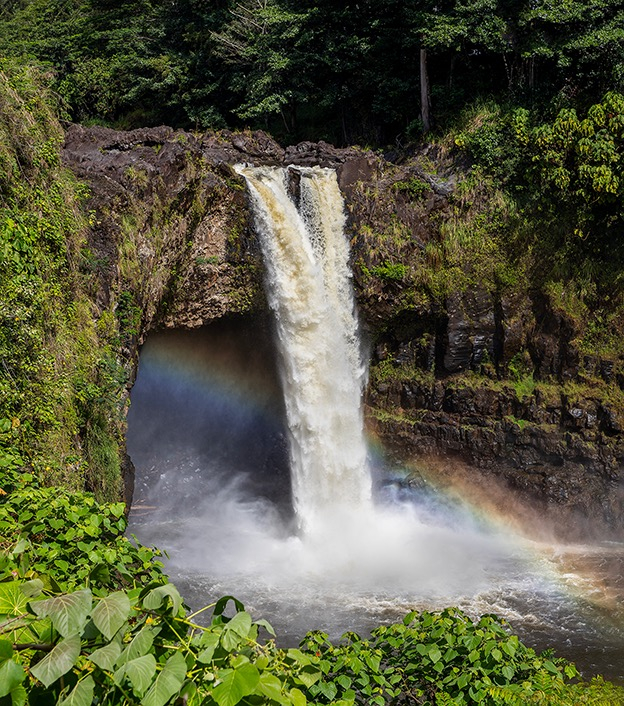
(511, 82)
(523, 99)
(373, 72)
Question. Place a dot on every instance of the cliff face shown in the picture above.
(171, 228)
(471, 361)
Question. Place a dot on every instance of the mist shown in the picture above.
(208, 437)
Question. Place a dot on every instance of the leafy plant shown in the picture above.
(88, 617)
(437, 658)
(520, 423)
(390, 271)
(71, 537)
(58, 366)
(413, 187)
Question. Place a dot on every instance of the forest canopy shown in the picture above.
(374, 71)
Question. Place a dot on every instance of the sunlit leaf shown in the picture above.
(12, 600)
(81, 694)
(156, 597)
(298, 697)
(106, 656)
(32, 589)
(168, 682)
(139, 671)
(141, 644)
(11, 675)
(236, 630)
(270, 686)
(111, 613)
(210, 642)
(18, 696)
(240, 624)
(308, 676)
(236, 684)
(6, 650)
(266, 625)
(68, 612)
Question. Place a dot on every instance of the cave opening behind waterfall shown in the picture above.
(207, 421)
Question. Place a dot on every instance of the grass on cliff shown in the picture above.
(60, 382)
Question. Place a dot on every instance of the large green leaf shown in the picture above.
(111, 613)
(139, 671)
(81, 694)
(266, 625)
(32, 589)
(168, 682)
(6, 650)
(141, 644)
(210, 640)
(11, 675)
(298, 698)
(59, 661)
(12, 600)
(221, 605)
(240, 624)
(106, 656)
(236, 630)
(236, 684)
(270, 686)
(68, 612)
(156, 597)
(19, 696)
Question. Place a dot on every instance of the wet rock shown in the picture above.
(309, 154)
(470, 330)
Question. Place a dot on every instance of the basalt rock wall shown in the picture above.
(470, 364)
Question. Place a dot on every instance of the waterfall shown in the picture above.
(310, 293)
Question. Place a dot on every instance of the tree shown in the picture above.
(261, 44)
(444, 30)
(577, 46)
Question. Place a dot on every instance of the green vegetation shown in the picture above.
(562, 181)
(61, 386)
(567, 170)
(413, 187)
(391, 271)
(308, 69)
(86, 616)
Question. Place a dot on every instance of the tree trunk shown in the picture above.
(424, 92)
(452, 71)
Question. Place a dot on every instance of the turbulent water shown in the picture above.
(223, 439)
(309, 291)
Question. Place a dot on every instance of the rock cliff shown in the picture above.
(473, 362)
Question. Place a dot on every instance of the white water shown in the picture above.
(309, 290)
(356, 563)
(346, 540)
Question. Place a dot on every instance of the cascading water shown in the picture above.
(309, 290)
(206, 431)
